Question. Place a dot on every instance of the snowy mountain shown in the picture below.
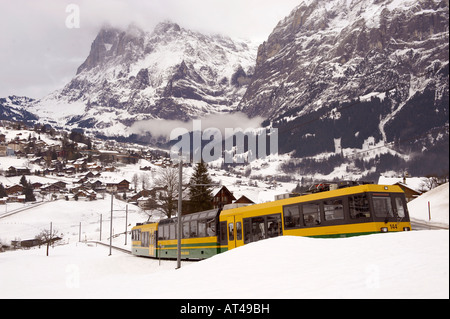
(12, 109)
(356, 87)
(170, 73)
(340, 77)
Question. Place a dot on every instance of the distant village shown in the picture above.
(77, 165)
(71, 159)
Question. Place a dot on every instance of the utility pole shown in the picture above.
(100, 227)
(111, 225)
(180, 191)
(79, 233)
(126, 224)
(180, 195)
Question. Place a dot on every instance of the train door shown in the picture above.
(234, 229)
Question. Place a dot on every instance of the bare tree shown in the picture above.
(48, 236)
(167, 180)
(430, 182)
(135, 181)
(145, 181)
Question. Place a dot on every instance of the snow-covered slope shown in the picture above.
(439, 206)
(358, 73)
(170, 73)
(387, 266)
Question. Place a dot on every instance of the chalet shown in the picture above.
(244, 200)
(69, 169)
(97, 186)
(15, 189)
(410, 193)
(60, 184)
(3, 149)
(51, 188)
(146, 203)
(122, 186)
(16, 198)
(223, 197)
(30, 243)
(80, 164)
(142, 193)
(86, 195)
(17, 171)
(37, 185)
(108, 156)
(16, 145)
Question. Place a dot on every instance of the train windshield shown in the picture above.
(382, 206)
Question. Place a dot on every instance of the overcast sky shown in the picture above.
(39, 53)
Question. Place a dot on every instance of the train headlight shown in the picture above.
(406, 229)
(384, 229)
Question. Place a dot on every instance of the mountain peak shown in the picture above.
(167, 26)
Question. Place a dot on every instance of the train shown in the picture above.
(339, 211)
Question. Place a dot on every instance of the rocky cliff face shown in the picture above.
(342, 75)
(170, 73)
(327, 51)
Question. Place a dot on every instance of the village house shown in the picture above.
(17, 171)
(16, 198)
(15, 189)
(243, 200)
(223, 197)
(119, 187)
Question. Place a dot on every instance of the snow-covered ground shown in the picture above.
(396, 265)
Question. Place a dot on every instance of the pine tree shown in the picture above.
(27, 190)
(200, 193)
(2, 191)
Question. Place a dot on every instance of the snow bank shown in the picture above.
(439, 206)
(395, 265)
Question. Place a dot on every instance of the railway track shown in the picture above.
(107, 245)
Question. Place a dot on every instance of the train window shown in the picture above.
(292, 217)
(358, 206)
(223, 233)
(399, 206)
(186, 230)
(238, 231)
(172, 231)
(202, 228)
(334, 209)
(194, 232)
(230, 231)
(166, 232)
(211, 227)
(144, 242)
(382, 206)
(161, 233)
(258, 229)
(247, 231)
(311, 214)
(273, 225)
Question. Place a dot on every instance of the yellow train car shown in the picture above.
(343, 212)
(144, 239)
(358, 210)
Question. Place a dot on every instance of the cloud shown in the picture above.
(39, 53)
(163, 128)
